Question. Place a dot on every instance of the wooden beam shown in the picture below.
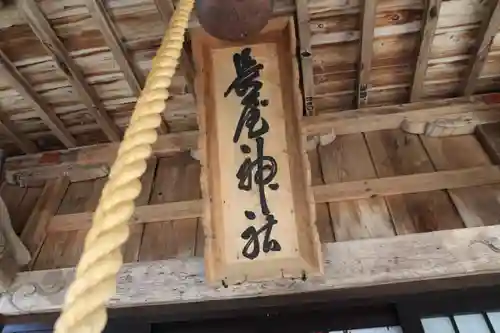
(166, 10)
(43, 30)
(334, 192)
(143, 214)
(421, 182)
(35, 231)
(36, 176)
(21, 140)
(133, 76)
(489, 137)
(306, 62)
(429, 24)
(486, 34)
(24, 88)
(395, 262)
(484, 108)
(365, 56)
(481, 108)
(96, 155)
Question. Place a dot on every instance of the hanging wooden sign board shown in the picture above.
(259, 218)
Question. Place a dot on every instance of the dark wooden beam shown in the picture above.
(487, 32)
(429, 24)
(25, 89)
(21, 140)
(45, 33)
(306, 55)
(166, 10)
(366, 51)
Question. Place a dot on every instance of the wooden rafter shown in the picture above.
(429, 24)
(45, 33)
(166, 9)
(22, 86)
(366, 51)
(306, 55)
(487, 32)
(133, 76)
(8, 127)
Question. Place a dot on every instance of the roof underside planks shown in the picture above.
(112, 46)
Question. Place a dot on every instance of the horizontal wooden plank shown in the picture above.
(37, 176)
(334, 192)
(391, 117)
(422, 182)
(143, 214)
(385, 261)
(103, 153)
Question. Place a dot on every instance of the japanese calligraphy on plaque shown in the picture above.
(259, 172)
(259, 215)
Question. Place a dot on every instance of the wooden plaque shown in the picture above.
(259, 218)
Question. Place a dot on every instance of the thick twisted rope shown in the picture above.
(84, 309)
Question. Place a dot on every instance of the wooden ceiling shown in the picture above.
(80, 84)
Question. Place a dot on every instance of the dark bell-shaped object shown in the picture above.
(234, 19)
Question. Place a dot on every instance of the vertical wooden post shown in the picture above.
(306, 55)
(8, 266)
(366, 52)
(429, 24)
(35, 231)
(13, 254)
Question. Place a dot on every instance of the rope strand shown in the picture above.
(84, 309)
